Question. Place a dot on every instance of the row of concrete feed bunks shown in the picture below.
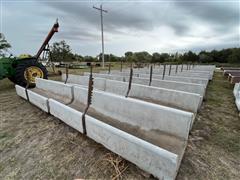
(149, 128)
(233, 74)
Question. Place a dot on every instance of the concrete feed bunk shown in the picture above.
(151, 136)
(173, 98)
(193, 73)
(166, 77)
(180, 86)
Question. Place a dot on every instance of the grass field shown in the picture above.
(35, 145)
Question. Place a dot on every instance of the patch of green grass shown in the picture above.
(222, 115)
(3, 135)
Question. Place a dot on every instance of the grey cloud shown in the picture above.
(80, 35)
(223, 15)
(146, 16)
(122, 18)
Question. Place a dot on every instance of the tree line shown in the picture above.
(61, 52)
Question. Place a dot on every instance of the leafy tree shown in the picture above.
(204, 57)
(223, 55)
(114, 58)
(61, 51)
(89, 59)
(129, 56)
(143, 56)
(190, 57)
(230, 55)
(78, 57)
(155, 57)
(164, 57)
(106, 57)
(4, 45)
(235, 56)
(128, 53)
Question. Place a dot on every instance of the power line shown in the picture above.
(101, 15)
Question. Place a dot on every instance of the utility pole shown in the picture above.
(101, 14)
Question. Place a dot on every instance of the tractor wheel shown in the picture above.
(28, 70)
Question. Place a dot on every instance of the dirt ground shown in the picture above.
(35, 145)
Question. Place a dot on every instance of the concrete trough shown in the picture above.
(151, 136)
(192, 73)
(127, 110)
(160, 162)
(180, 86)
(173, 98)
(170, 78)
(172, 74)
(159, 71)
(147, 116)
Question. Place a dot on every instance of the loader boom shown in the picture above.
(48, 38)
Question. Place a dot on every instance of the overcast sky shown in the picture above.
(154, 26)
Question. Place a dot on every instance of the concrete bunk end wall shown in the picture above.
(34, 98)
(236, 93)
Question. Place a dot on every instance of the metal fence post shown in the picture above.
(129, 82)
(89, 101)
(121, 66)
(164, 69)
(170, 68)
(109, 68)
(151, 71)
(66, 75)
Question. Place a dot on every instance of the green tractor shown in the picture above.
(24, 69)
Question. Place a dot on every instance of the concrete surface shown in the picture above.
(146, 115)
(157, 161)
(236, 89)
(166, 77)
(58, 88)
(180, 86)
(197, 71)
(20, 91)
(38, 100)
(173, 98)
(68, 115)
(236, 93)
(34, 98)
(172, 74)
